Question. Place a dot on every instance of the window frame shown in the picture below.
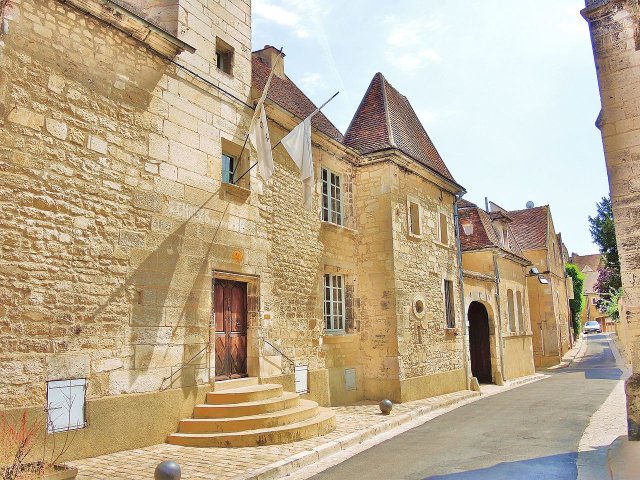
(520, 307)
(443, 234)
(414, 222)
(331, 318)
(449, 304)
(328, 212)
(224, 54)
(231, 172)
(72, 384)
(512, 321)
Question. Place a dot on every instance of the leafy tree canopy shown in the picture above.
(578, 302)
(603, 232)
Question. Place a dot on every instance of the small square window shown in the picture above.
(443, 234)
(224, 56)
(66, 405)
(233, 166)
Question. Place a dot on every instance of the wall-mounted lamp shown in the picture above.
(543, 280)
(534, 271)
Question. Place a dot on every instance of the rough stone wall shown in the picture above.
(110, 162)
(615, 41)
(421, 265)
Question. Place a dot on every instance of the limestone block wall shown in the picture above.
(614, 37)
(378, 339)
(112, 219)
(421, 265)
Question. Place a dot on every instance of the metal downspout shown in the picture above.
(497, 274)
(465, 328)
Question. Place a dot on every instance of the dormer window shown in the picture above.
(505, 236)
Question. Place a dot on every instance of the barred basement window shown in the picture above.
(331, 197)
(448, 304)
(334, 311)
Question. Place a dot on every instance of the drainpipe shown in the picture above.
(497, 274)
(465, 345)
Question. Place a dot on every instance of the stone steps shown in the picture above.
(321, 424)
(305, 410)
(251, 415)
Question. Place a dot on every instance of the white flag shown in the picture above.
(298, 144)
(259, 135)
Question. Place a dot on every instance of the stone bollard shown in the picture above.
(169, 470)
(385, 406)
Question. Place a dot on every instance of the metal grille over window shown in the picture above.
(448, 302)
(334, 311)
(228, 165)
(331, 197)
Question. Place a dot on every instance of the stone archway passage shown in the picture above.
(479, 347)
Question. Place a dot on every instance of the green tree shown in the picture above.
(578, 302)
(603, 232)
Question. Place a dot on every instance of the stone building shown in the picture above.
(496, 296)
(614, 37)
(548, 288)
(137, 268)
(590, 266)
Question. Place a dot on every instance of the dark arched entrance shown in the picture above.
(479, 342)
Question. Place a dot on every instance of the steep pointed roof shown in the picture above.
(385, 120)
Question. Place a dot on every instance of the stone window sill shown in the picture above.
(339, 337)
(443, 245)
(335, 226)
(236, 191)
(452, 331)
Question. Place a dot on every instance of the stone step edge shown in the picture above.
(291, 464)
(284, 396)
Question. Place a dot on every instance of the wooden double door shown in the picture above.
(230, 318)
(479, 346)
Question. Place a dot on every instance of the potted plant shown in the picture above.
(17, 459)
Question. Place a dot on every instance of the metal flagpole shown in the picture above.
(266, 86)
(280, 141)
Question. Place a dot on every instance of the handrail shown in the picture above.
(279, 351)
(182, 367)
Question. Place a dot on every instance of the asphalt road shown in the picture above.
(530, 432)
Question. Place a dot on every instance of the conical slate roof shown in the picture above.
(385, 120)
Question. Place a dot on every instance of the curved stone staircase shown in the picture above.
(244, 414)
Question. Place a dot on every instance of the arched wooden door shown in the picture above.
(479, 347)
(230, 316)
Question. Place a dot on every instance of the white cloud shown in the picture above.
(312, 82)
(572, 22)
(298, 15)
(408, 47)
(426, 116)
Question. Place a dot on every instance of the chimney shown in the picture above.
(269, 55)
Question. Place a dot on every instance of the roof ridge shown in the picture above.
(385, 103)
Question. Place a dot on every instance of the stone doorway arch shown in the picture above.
(479, 342)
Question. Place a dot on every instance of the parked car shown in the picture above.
(592, 327)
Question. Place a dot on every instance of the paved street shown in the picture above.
(530, 432)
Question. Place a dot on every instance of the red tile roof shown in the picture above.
(594, 261)
(531, 227)
(484, 234)
(466, 204)
(385, 120)
(287, 95)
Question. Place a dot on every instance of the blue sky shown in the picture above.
(506, 89)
